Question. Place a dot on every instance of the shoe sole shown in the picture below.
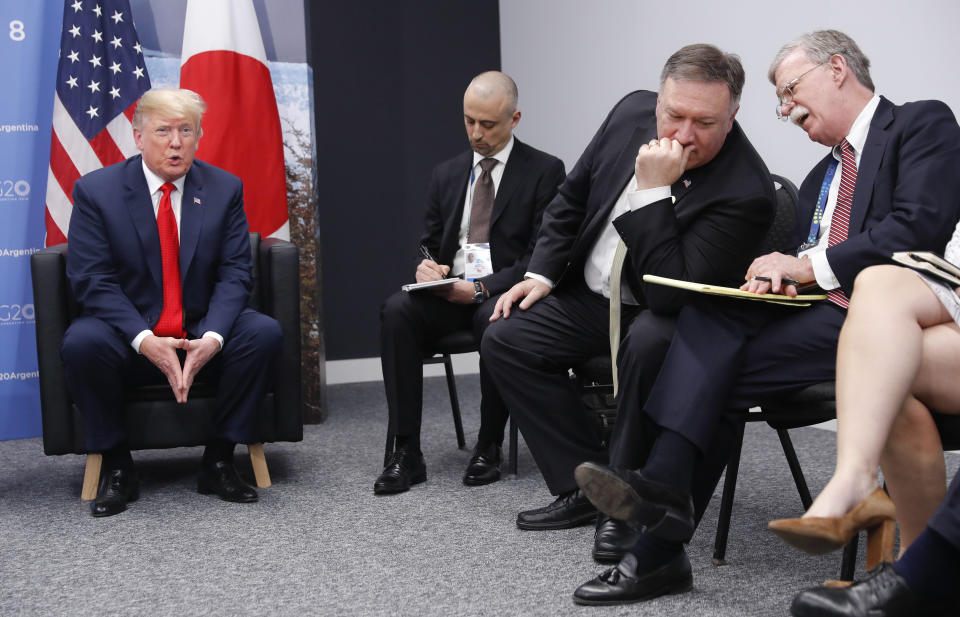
(811, 545)
(480, 481)
(567, 524)
(607, 556)
(618, 499)
(206, 490)
(670, 589)
(389, 490)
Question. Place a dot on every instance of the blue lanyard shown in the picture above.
(822, 202)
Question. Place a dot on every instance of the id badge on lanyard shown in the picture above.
(476, 261)
(812, 237)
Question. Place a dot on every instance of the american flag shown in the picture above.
(100, 76)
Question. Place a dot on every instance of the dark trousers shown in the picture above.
(99, 363)
(946, 520)
(727, 357)
(409, 324)
(529, 355)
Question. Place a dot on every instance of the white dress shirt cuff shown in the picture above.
(214, 336)
(822, 271)
(139, 339)
(645, 197)
(538, 277)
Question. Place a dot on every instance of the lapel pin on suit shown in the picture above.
(196, 201)
(687, 182)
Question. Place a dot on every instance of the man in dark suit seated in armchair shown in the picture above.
(669, 178)
(159, 260)
(482, 218)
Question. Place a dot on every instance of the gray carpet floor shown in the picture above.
(320, 543)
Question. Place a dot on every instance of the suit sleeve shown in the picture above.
(547, 181)
(925, 201)
(231, 289)
(565, 215)
(91, 270)
(433, 219)
(715, 248)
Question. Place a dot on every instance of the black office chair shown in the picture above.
(152, 416)
(440, 352)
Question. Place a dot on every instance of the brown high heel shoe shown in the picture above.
(820, 535)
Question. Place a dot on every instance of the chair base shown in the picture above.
(91, 473)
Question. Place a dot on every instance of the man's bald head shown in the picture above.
(495, 83)
(490, 111)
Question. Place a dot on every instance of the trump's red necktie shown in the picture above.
(171, 319)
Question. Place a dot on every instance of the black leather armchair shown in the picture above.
(153, 418)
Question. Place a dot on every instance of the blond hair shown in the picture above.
(173, 102)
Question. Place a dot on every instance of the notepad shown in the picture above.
(930, 263)
(732, 292)
(428, 284)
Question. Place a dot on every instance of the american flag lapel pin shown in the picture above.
(196, 201)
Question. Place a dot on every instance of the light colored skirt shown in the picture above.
(946, 294)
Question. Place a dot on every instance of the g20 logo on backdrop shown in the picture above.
(14, 190)
(15, 314)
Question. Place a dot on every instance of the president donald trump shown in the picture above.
(159, 260)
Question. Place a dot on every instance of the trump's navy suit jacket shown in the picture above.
(114, 262)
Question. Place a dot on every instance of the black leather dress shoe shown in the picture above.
(883, 594)
(484, 465)
(622, 584)
(221, 478)
(117, 488)
(403, 469)
(568, 510)
(630, 496)
(612, 540)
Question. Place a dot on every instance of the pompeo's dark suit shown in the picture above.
(710, 234)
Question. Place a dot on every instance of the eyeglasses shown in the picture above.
(785, 94)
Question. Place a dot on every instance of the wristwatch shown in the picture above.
(479, 295)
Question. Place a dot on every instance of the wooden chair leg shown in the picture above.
(91, 477)
(259, 463)
(880, 541)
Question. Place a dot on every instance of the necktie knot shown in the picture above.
(846, 150)
(167, 188)
(488, 164)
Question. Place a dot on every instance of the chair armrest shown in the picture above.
(52, 301)
(280, 298)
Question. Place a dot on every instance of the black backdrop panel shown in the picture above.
(388, 86)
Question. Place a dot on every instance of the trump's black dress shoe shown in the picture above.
(117, 488)
(623, 584)
(612, 539)
(221, 477)
(630, 496)
(484, 465)
(568, 510)
(883, 594)
(404, 468)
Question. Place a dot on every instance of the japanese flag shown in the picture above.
(223, 60)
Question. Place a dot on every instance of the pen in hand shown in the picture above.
(426, 255)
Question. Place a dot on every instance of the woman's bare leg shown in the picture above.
(878, 359)
(912, 460)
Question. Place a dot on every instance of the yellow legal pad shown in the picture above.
(733, 292)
